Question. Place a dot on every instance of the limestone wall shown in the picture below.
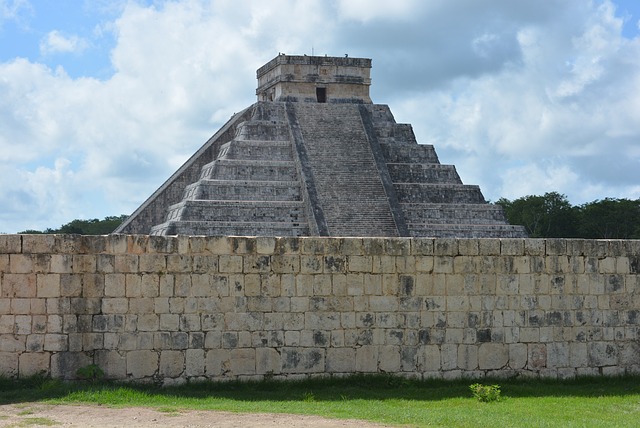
(167, 309)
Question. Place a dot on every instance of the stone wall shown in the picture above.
(167, 309)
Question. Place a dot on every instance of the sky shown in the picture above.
(102, 100)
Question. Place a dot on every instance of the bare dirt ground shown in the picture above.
(39, 415)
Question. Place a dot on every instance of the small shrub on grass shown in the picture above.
(486, 393)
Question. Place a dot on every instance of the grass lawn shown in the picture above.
(583, 402)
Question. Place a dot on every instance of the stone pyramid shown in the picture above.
(315, 157)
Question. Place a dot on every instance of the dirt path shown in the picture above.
(38, 415)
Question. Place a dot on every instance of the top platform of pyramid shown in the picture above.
(316, 79)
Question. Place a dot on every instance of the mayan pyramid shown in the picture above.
(315, 157)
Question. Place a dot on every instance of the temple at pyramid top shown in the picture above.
(315, 157)
(315, 79)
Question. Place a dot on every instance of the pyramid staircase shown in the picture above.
(305, 169)
(431, 196)
(253, 187)
(343, 169)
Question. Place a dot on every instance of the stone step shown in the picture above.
(467, 230)
(453, 213)
(409, 153)
(251, 211)
(245, 190)
(263, 130)
(257, 150)
(423, 173)
(230, 228)
(233, 169)
(380, 114)
(269, 111)
(395, 133)
(438, 193)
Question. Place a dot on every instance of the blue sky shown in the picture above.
(100, 101)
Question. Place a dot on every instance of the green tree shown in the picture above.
(547, 216)
(86, 227)
(610, 218)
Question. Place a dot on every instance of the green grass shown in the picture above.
(584, 402)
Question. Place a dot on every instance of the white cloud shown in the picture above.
(366, 10)
(11, 9)
(556, 120)
(55, 42)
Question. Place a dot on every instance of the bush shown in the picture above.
(485, 393)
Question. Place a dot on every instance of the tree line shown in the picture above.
(552, 216)
(85, 227)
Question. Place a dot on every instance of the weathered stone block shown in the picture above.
(443, 264)
(64, 365)
(113, 363)
(518, 356)
(320, 285)
(468, 247)
(355, 284)
(84, 263)
(56, 342)
(230, 264)
(302, 360)
(512, 247)
(429, 358)
(48, 285)
(22, 324)
(558, 355)
(537, 356)
(339, 285)
(489, 247)
(194, 362)
(171, 363)
(148, 322)
(334, 264)
(385, 264)
(149, 285)
(492, 356)
(366, 359)
(141, 364)
(152, 263)
(142, 305)
(601, 354)
(445, 247)
(468, 357)
(18, 285)
(243, 361)
(30, 364)
(12, 244)
(267, 361)
(449, 356)
(265, 244)
(38, 306)
(383, 303)
(340, 360)
(359, 263)
(9, 364)
(405, 264)
(105, 263)
(92, 285)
